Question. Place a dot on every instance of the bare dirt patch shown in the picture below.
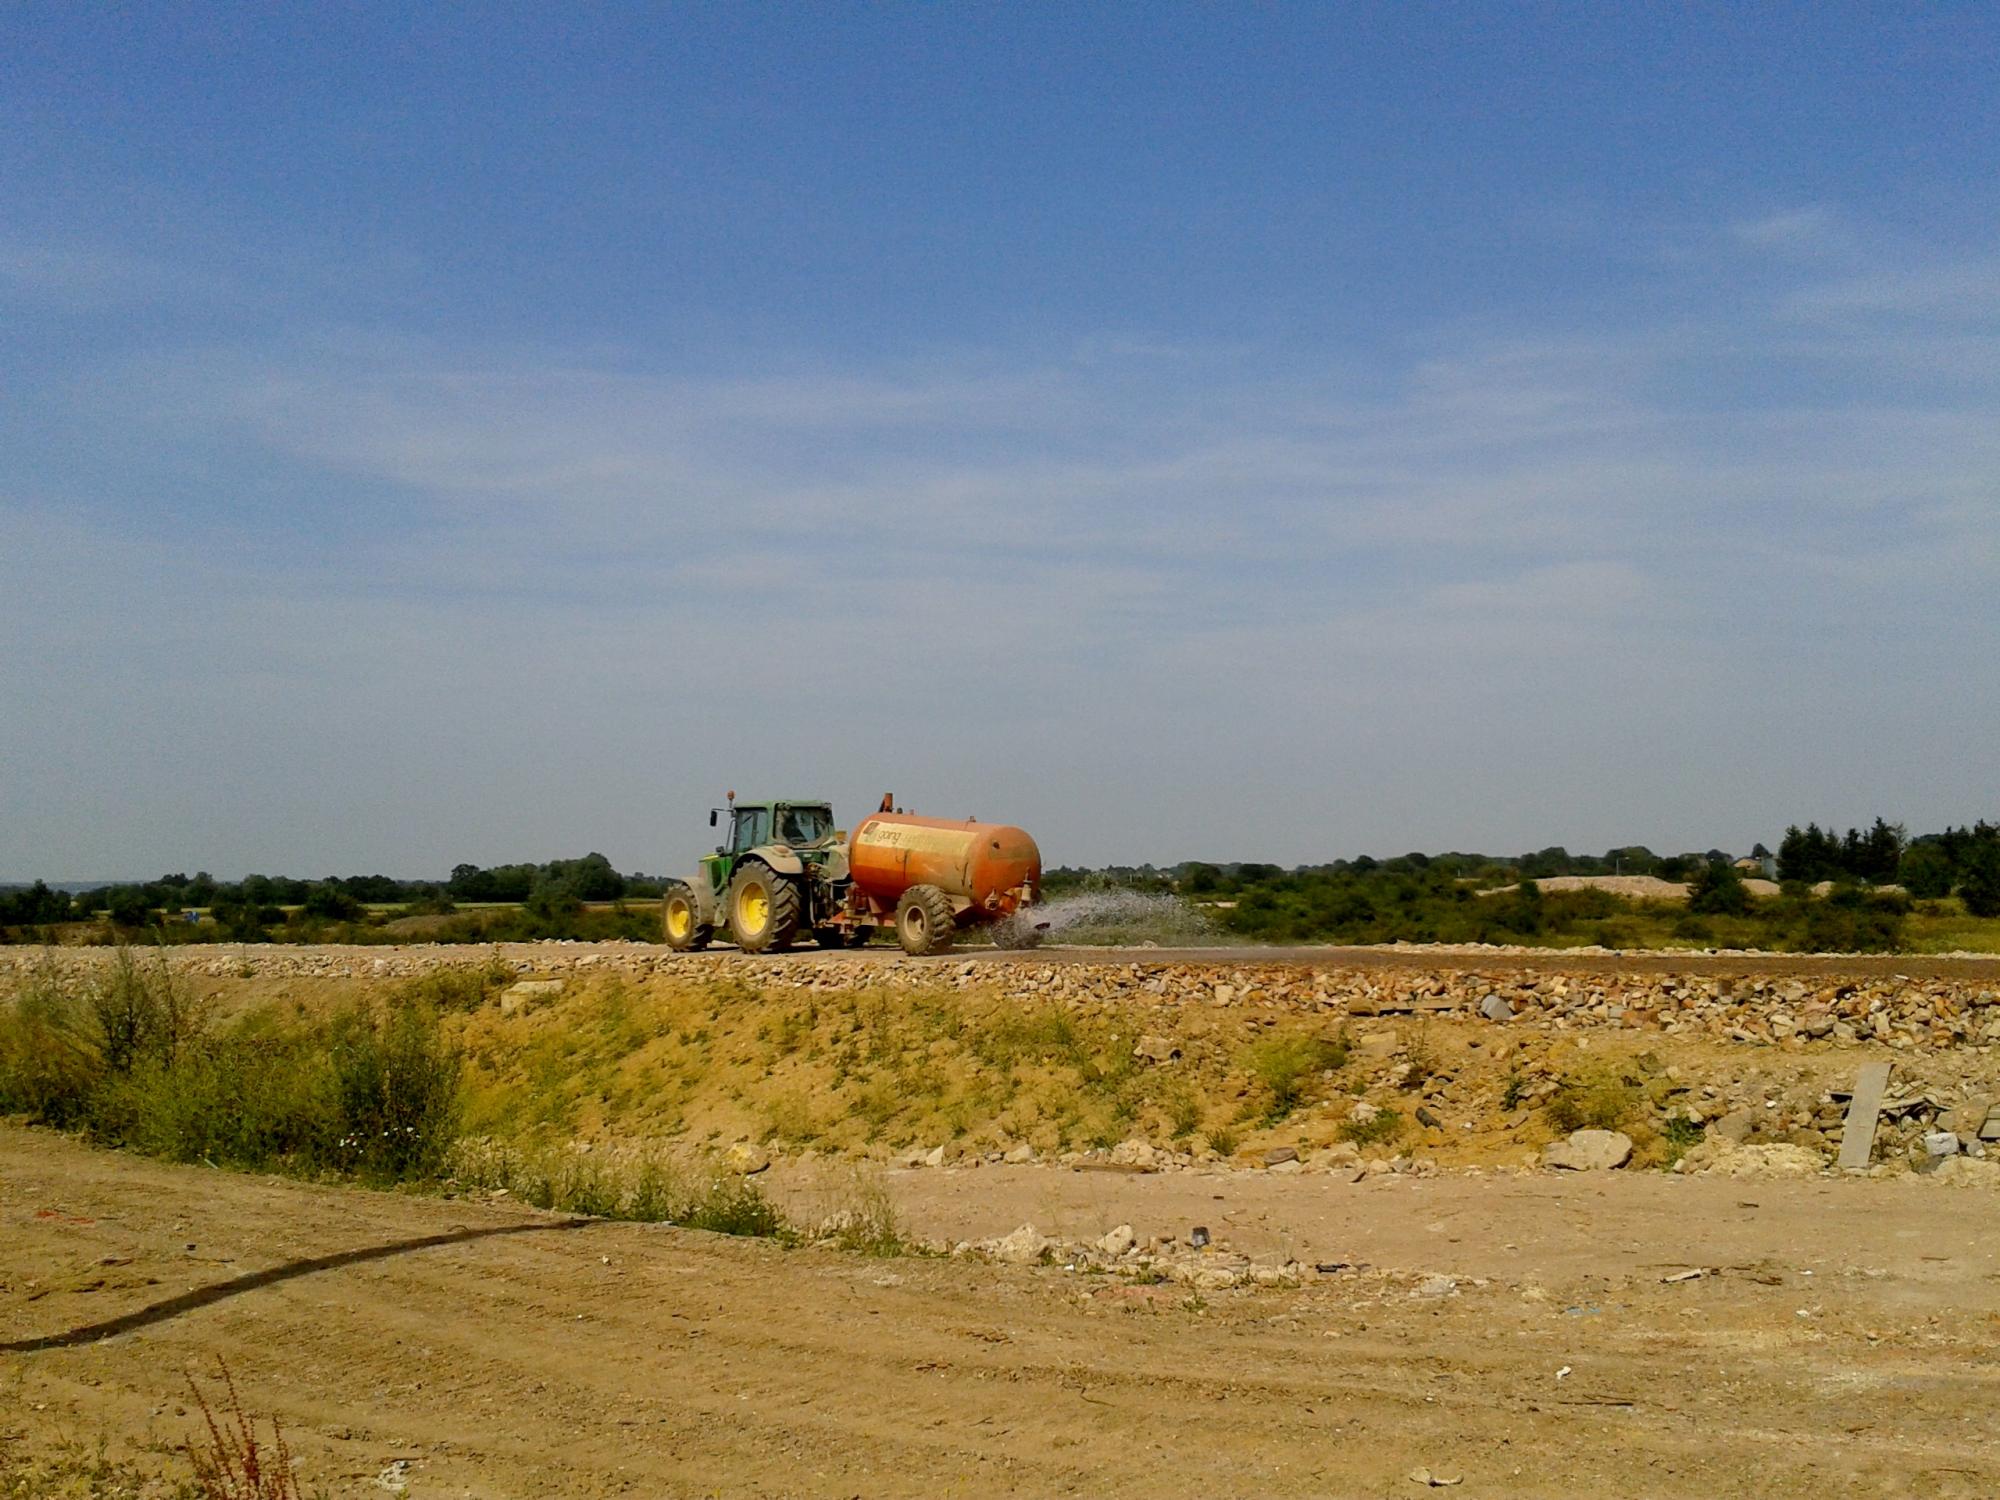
(1538, 1336)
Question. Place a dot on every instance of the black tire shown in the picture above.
(1017, 931)
(925, 923)
(757, 889)
(690, 934)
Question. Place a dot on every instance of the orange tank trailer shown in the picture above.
(989, 870)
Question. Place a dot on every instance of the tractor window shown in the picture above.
(753, 827)
(804, 825)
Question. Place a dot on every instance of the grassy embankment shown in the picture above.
(370, 1090)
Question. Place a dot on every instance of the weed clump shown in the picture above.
(1377, 1129)
(230, 1462)
(1592, 1101)
(1285, 1067)
(651, 1189)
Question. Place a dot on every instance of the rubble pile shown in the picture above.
(1829, 1011)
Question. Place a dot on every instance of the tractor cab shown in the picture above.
(752, 825)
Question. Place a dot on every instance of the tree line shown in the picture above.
(246, 909)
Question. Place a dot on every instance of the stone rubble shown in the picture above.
(1828, 1011)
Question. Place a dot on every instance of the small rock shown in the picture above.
(1118, 1241)
(1435, 1479)
(934, 1157)
(746, 1159)
(1156, 1049)
(1436, 1286)
(1496, 1009)
(1735, 1127)
(527, 994)
(1589, 1151)
(1018, 1155)
(1280, 1153)
(1024, 1247)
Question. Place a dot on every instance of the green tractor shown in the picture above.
(777, 876)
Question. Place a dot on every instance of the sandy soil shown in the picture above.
(1844, 1343)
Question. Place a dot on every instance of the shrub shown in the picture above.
(1379, 1129)
(48, 1063)
(129, 1057)
(1591, 1101)
(460, 988)
(1286, 1065)
(1717, 890)
(1980, 889)
(1850, 926)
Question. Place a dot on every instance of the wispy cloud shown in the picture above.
(1125, 551)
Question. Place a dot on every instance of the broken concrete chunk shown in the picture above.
(1589, 1151)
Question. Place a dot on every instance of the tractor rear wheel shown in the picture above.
(685, 930)
(763, 908)
(925, 922)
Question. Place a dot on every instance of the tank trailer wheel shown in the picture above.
(681, 918)
(925, 922)
(763, 909)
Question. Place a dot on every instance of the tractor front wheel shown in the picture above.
(925, 922)
(763, 909)
(685, 930)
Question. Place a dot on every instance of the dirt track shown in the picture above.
(504, 1354)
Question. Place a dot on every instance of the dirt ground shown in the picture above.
(1518, 1331)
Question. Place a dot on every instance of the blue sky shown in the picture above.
(1275, 432)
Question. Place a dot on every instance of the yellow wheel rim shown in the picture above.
(754, 907)
(678, 921)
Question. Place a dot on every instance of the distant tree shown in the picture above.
(1554, 860)
(552, 898)
(1979, 884)
(1524, 911)
(330, 903)
(1758, 851)
(1717, 890)
(1925, 870)
(1881, 852)
(1633, 859)
(1809, 855)
(1198, 879)
(128, 906)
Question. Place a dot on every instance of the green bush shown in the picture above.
(129, 1058)
(1717, 890)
